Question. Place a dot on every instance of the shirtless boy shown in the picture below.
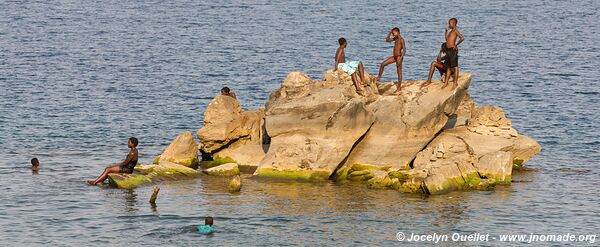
(350, 67)
(450, 33)
(439, 64)
(398, 56)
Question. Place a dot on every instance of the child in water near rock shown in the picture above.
(35, 165)
(207, 228)
(124, 167)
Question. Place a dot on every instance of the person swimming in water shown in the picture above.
(124, 167)
(207, 228)
(35, 165)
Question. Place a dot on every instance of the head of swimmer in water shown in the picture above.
(35, 164)
(208, 221)
(133, 142)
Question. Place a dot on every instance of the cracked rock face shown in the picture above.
(319, 128)
(405, 124)
(476, 155)
(231, 133)
(311, 135)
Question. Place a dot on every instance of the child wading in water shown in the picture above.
(397, 57)
(350, 67)
(207, 228)
(124, 167)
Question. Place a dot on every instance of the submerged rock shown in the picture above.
(148, 174)
(229, 169)
(230, 134)
(127, 181)
(183, 150)
(235, 185)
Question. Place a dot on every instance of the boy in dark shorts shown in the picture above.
(450, 34)
(438, 64)
(124, 167)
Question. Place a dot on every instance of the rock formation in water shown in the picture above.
(429, 140)
(232, 135)
(183, 150)
(173, 164)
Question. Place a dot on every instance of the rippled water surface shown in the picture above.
(77, 78)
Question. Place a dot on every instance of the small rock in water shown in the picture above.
(235, 185)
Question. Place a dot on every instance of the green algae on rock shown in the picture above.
(148, 174)
(308, 175)
(127, 181)
(229, 169)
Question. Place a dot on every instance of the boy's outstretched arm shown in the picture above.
(461, 38)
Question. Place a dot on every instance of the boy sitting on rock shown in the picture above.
(207, 228)
(349, 67)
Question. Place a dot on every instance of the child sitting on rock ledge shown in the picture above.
(124, 167)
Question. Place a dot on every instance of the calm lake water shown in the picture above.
(77, 78)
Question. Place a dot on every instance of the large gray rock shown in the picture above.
(313, 126)
(450, 164)
(183, 150)
(496, 165)
(406, 123)
(230, 134)
(474, 156)
(489, 131)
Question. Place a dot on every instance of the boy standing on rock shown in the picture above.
(349, 67)
(397, 57)
(450, 34)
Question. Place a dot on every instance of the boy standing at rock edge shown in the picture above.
(349, 67)
(397, 57)
(450, 34)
